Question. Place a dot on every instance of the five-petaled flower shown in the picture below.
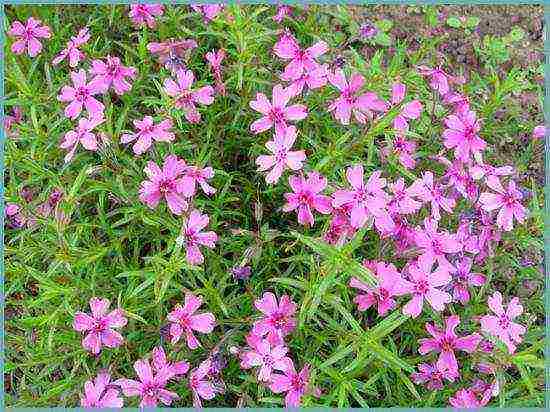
(183, 321)
(306, 197)
(186, 98)
(27, 36)
(81, 94)
(101, 393)
(147, 132)
(192, 236)
(507, 200)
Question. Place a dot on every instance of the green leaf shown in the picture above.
(454, 22)
(472, 22)
(516, 34)
(384, 25)
(382, 39)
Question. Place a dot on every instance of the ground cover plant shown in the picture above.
(273, 206)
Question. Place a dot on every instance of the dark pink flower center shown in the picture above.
(297, 383)
(268, 360)
(360, 195)
(280, 156)
(306, 198)
(509, 199)
(100, 325)
(184, 321)
(383, 294)
(447, 343)
(504, 321)
(277, 115)
(166, 186)
(82, 93)
(278, 320)
(469, 133)
(422, 286)
(437, 246)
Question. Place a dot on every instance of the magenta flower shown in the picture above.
(99, 394)
(200, 385)
(301, 61)
(10, 120)
(98, 326)
(172, 53)
(434, 194)
(487, 172)
(501, 325)
(145, 14)
(340, 226)
(165, 184)
(436, 244)
(429, 375)
(410, 111)
(82, 95)
(438, 79)
(350, 101)
(162, 366)
(403, 201)
(463, 279)
(113, 73)
(279, 318)
(306, 197)
(465, 398)
(403, 149)
(460, 102)
(72, 52)
(150, 387)
(185, 321)
(423, 284)
(382, 295)
(147, 132)
(507, 200)
(215, 59)
(539, 132)
(281, 157)
(282, 12)
(313, 79)
(268, 357)
(366, 201)
(195, 175)
(186, 99)
(293, 383)
(445, 343)
(276, 114)
(83, 135)
(192, 236)
(462, 135)
(209, 11)
(28, 36)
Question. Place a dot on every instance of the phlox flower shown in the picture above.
(192, 236)
(150, 386)
(147, 132)
(99, 326)
(502, 325)
(435, 196)
(200, 385)
(439, 80)
(313, 79)
(402, 201)
(409, 111)
(165, 183)
(83, 135)
(282, 11)
(295, 384)
(183, 320)
(27, 36)
(194, 175)
(460, 102)
(463, 279)
(111, 73)
(282, 157)
(265, 355)
(99, 393)
(278, 320)
(301, 61)
(306, 197)
(459, 179)
(436, 244)
(350, 101)
(506, 201)
(465, 398)
(539, 132)
(172, 53)
(445, 343)
(486, 390)
(429, 375)
(462, 135)
(161, 365)
(145, 14)
(402, 234)
(209, 11)
(276, 113)
(186, 98)
(340, 226)
(72, 52)
(13, 119)
(404, 150)
(215, 58)
(487, 172)
(81, 95)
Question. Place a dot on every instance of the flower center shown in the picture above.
(447, 344)
(422, 286)
(280, 156)
(504, 322)
(166, 186)
(277, 115)
(82, 93)
(306, 198)
(278, 320)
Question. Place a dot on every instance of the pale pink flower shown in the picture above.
(27, 36)
(458, 179)
(350, 101)
(295, 384)
(313, 79)
(460, 102)
(265, 355)
(410, 111)
(145, 14)
(436, 244)
(282, 12)
(439, 80)
(287, 48)
(340, 226)
(539, 132)
(507, 200)
(173, 53)
(404, 150)
(463, 279)
(161, 365)
(72, 52)
(147, 132)
(465, 398)
(435, 196)
(462, 135)
(113, 73)
(81, 135)
(306, 197)
(150, 387)
(278, 320)
(186, 98)
(445, 343)
(98, 326)
(99, 393)
(81, 95)
(183, 320)
(192, 236)
(215, 58)
(487, 172)
(165, 184)
(10, 120)
(209, 11)
(276, 114)
(200, 385)
(402, 201)
(281, 157)
(502, 325)
(194, 175)
(429, 375)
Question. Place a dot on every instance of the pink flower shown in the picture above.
(268, 357)
(276, 114)
(186, 99)
(161, 364)
(293, 383)
(281, 157)
(539, 132)
(144, 14)
(27, 36)
(10, 120)
(434, 194)
(184, 320)
(404, 150)
(82, 95)
(501, 325)
(209, 11)
(462, 135)
(365, 200)
(410, 111)
(313, 79)
(191, 236)
(99, 394)
(113, 73)
(424, 284)
(194, 175)
(279, 318)
(282, 12)
(306, 197)
(436, 244)
(403, 201)
(72, 52)
(99, 326)
(507, 200)
(287, 48)
(445, 343)
(83, 135)
(487, 172)
(215, 59)
(340, 226)
(438, 79)
(172, 53)
(350, 101)
(147, 132)
(201, 387)
(465, 398)
(165, 184)
(463, 279)
(430, 375)
(151, 386)
(460, 102)
(382, 295)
